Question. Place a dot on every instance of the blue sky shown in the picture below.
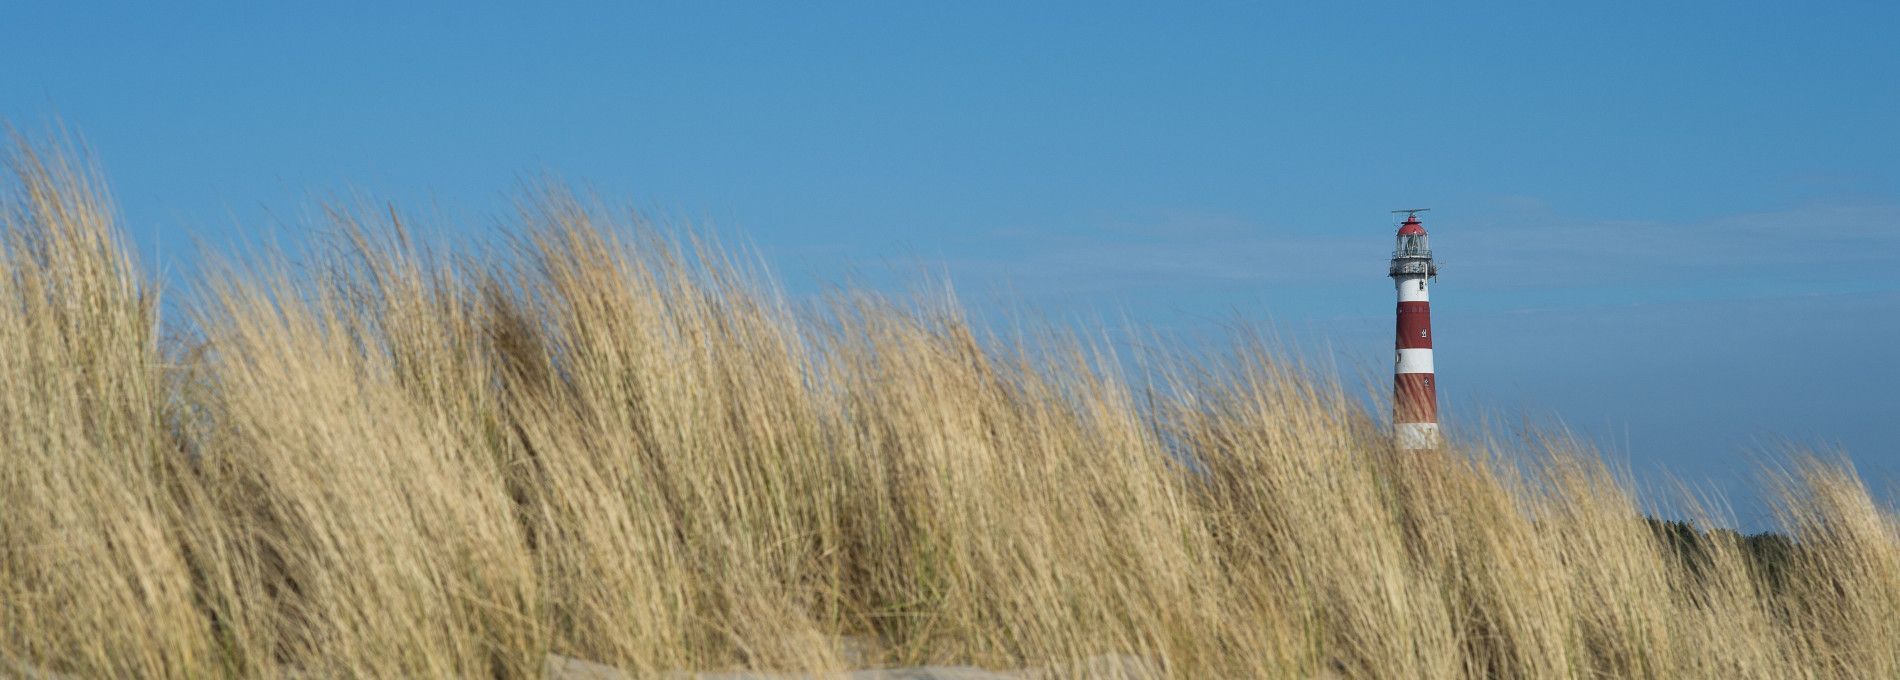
(1674, 225)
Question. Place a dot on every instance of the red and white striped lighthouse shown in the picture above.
(1414, 397)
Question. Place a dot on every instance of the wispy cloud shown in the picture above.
(1532, 249)
(1813, 238)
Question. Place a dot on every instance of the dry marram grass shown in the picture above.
(603, 443)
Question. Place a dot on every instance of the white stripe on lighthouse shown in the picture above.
(1413, 289)
(1415, 361)
(1416, 435)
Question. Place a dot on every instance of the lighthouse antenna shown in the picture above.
(1409, 212)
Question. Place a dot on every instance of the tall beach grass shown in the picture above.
(603, 440)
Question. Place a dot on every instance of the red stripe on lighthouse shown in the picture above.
(1415, 398)
(1415, 325)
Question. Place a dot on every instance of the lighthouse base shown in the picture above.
(1415, 436)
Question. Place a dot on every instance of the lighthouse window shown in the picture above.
(1421, 284)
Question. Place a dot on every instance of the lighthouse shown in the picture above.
(1414, 394)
